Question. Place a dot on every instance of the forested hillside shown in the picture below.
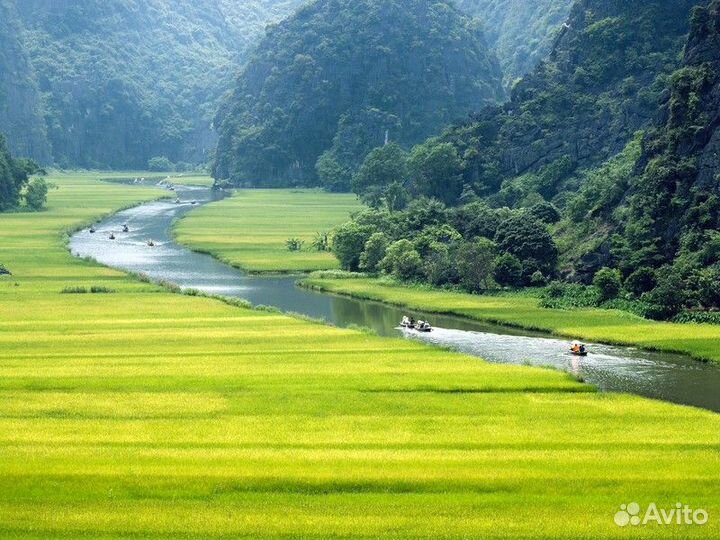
(340, 75)
(20, 108)
(601, 83)
(127, 80)
(521, 32)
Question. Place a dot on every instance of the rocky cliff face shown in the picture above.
(21, 118)
(675, 200)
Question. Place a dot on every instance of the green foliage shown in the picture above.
(374, 252)
(508, 270)
(545, 212)
(321, 242)
(13, 177)
(123, 81)
(381, 173)
(522, 34)
(402, 261)
(641, 281)
(349, 242)
(160, 164)
(436, 171)
(36, 194)
(475, 264)
(334, 80)
(294, 244)
(608, 282)
(526, 238)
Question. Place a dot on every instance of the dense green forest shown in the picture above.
(128, 80)
(610, 197)
(521, 32)
(20, 102)
(14, 177)
(328, 85)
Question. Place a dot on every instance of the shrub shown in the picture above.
(537, 279)
(321, 242)
(667, 299)
(545, 212)
(408, 266)
(74, 290)
(294, 244)
(508, 271)
(608, 282)
(101, 290)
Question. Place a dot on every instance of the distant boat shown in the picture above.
(194, 202)
(151, 243)
(126, 228)
(92, 230)
(112, 236)
(177, 201)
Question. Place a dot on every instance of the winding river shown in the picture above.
(668, 377)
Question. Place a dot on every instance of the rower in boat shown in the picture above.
(423, 326)
(92, 230)
(578, 349)
(405, 323)
(112, 236)
(126, 228)
(151, 243)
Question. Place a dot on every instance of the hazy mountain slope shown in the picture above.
(521, 32)
(601, 83)
(21, 117)
(126, 80)
(342, 73)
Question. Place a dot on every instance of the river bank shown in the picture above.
(605, 326)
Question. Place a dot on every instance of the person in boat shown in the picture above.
(126, 228)
(412, 321)
(405, 321)
(151, 243)
(577, 348)
(112, 236)
(92, 230)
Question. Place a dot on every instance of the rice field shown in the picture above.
(146, 414)
(701, 341)
(250, 229)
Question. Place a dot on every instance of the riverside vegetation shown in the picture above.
(195, 418)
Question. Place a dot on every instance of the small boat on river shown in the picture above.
(578, 349)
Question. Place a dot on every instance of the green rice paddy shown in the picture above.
(249, 230)
(146, 414)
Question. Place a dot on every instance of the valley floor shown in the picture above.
(146, 414)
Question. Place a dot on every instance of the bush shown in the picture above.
(74, 290)
(408, 266)
(321, 242)
(294, 244)
(508, 271)
(537, 279)
(608, 283)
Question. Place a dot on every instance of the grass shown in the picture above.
(191, 179)
(249, 230)
(608, 326)
(146, 414)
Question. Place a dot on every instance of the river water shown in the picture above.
(668, 377)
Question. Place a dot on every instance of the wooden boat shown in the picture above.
(112, 236)
(126, 228)
(425, 328)
(151, 243)
(92, 230)
(578, 349)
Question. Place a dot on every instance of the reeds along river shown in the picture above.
(669, 377)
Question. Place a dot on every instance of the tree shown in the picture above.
(608, 282)
(475, 262)
(374, 253)
(395, 252)
(527, 238)
(508, 270)
(348, 244)
(36, 194)
(436, 170)
(545, 212)
(333, 176)
(160, 164)
(383, 167)
(641, 281)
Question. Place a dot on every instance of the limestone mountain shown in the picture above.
(339, 76)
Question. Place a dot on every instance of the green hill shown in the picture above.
(339, 76)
